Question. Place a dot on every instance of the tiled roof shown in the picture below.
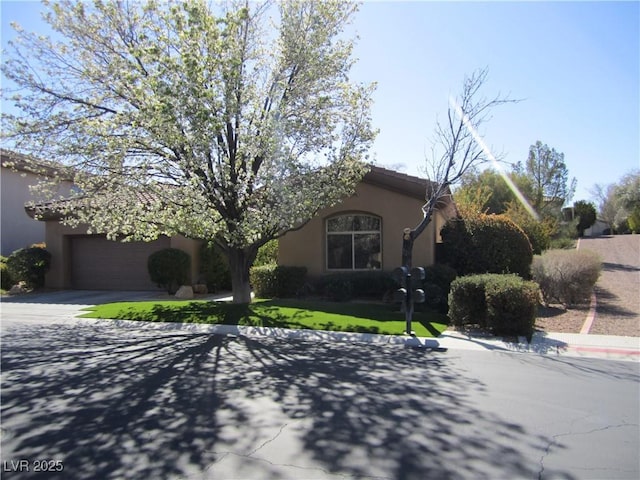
(24, 163)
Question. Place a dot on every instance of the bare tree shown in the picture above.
(457, 148)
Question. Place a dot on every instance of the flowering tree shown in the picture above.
(194, 118)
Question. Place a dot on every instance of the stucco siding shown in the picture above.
(307, 246)
(19, 230)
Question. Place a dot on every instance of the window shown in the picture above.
(353, 243)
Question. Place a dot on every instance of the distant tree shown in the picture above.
(586, 214)
(619, 203)
(628, 193)
(608, 204)
(496, 193)
(194, 118)
(549, 178)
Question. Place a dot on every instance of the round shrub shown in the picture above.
(503, 304)
(169, 268)
(486, 244)
(29, 265)
(512, 305)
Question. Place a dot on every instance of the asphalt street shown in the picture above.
(98, 402)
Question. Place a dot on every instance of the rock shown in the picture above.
(185, 292)
(200, 288)
(18, 289)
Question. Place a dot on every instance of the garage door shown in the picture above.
(101, 264)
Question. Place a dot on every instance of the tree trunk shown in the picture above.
(239, 263)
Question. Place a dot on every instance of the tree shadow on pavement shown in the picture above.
(163, 405)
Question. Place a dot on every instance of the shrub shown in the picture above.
(29, 265)
(169, 268)
(214, 268)
(486, 244)
(277, 281)
(467, 305)
(348, 285)
(437, 284)
(566, 276)
(504, 304)
(267, 254)
(6, 281)
(512, 305)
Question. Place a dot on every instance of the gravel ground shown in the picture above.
(617, 292)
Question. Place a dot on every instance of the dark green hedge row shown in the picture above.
(502, 304)
(273, 281)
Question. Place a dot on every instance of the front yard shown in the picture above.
(293, 314)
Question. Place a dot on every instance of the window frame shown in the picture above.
(352, 233)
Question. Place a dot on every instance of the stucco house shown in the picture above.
(364, 232)
(19, 173)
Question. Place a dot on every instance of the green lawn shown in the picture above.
(295, 314)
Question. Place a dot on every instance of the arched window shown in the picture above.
(354, 242)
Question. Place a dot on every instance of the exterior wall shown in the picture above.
(307, 246)
(596, 229)
(18, 229)
(192, 247)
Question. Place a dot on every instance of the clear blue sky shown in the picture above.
(575, 65)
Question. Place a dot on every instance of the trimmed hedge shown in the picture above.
(345, 286)
(29, 265)
(566, 276)
(169, 268)
(502, 304)
(273, 281)
(486, 244)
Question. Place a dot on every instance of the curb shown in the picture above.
(548, 344)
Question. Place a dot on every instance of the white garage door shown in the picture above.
(101, 264)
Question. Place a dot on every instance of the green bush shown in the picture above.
(538, 236)
(486, 244)
(512, 305)
(437, 284)
(169, 268)
(467, 305)
(6, 281)
(348, 285)
(503, 304)
(273, 281)
(29, 265)
(566, 276)
(214, 268)
(267, 254)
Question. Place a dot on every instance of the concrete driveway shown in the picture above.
(81, 297)
(61, 306)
